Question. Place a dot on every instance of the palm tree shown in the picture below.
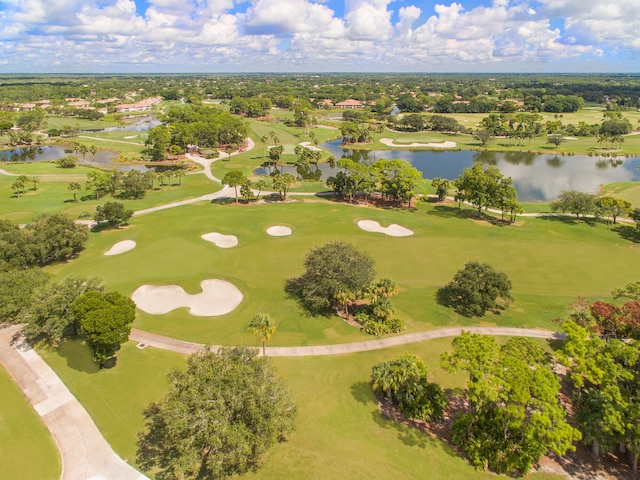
(345, 298)
(93, 150)
(263, 139)
(74, 187)
(83, 150)
(263, 328)
(387, 288)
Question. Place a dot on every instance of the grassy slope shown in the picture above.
(22, 431)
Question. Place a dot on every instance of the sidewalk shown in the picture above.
(85, 454)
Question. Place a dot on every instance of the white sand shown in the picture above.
(220, 240)
(279, 231)
(218, 297)
(389, 143)
(392, 230)
(310, 146)
(121, 247)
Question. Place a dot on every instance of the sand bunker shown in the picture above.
(220, 240)
(218, 297)
(121, 247)
(310, 146)
(390, 143)
(392, 230)
(279, 231)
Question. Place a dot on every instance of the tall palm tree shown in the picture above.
(262, 327)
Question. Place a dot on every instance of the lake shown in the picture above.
(537, 177)
(49, 153)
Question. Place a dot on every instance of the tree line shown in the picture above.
(76, 307)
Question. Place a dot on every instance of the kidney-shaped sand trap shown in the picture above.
(218, 297)
(392, 230)
(220, 240)
(279, 231)
(121, 247)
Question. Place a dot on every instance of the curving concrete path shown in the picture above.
(184, 347)
(85, 453)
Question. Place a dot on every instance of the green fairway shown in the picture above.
(340, 432)
(550, 262)
(27, 450)
(52, 195)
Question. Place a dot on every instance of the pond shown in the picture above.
(537, 177)
(103, 158)
(133, 124)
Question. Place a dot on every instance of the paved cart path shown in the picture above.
(181, 346)
(84, 452)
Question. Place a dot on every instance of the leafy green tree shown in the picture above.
(17, 289)
(613, 207)
(398, 178)
(404, 381)
(55, 237)
(50, 315)
(234, 178)
(415, 121)
(262, 327)
(635, 216)
(134, 184)
(555, 139)
(484, 136)
(158, 141)
(484, 188)
(18, 187)
(101, 182)
(574, 202)
(476, 289)
(604, 374)
(35, 181)
(105, 322)
(514, 415)
(329, 270)
(68, 161)
(113, 214)
(630, 290)
(219, 419)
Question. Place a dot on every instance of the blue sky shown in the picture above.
(319, 35)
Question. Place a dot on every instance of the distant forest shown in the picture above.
(439, 93)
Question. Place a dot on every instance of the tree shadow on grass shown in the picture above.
(223, 201)
(416, 433)
(564, 219)
(628, 233)
(448, 211)
(363, 393)
(78, 356)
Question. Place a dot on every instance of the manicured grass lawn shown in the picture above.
(629, 191)
(27, 450)
(52, 195)
(116, 397)
(340, 432)
(549, 261)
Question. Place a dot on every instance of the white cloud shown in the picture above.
(368, 19)
(307, 34)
